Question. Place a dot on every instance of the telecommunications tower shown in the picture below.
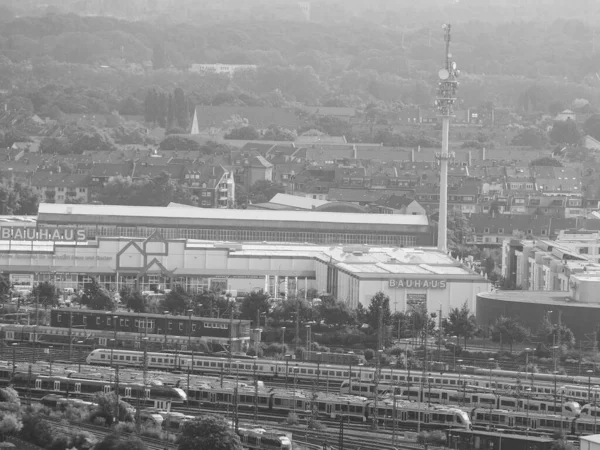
(444, 103)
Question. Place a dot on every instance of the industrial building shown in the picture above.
(411, 276)
(238, 225)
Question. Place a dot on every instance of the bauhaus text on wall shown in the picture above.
(42, 234)
(402, 283)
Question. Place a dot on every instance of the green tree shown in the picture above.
(118, 442)
(106, 407)
(530, 137)
(36, 430)
(151, 106)
(176, 301)
(248, 133)
(96, 297)
(46, 293)
(181, 143)
(461, 323)
(159, 57)
(546, 161)
(181, 112)
(134, 301)
(592, 126)
(337, 313)
(170, 112)
(253, 304)
(208, 433)
(565, 132)
(379, 312)
(551, 334)
(263, 190)
(508, 330)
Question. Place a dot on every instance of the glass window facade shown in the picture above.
(245, 235)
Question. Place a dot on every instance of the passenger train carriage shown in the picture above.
(355, 409)
(363, 376)
(158, 396)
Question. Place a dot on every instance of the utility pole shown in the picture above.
(256, 394)
(117, 393)
(445, 101)
(440, 333)
(230, 335)
(341, 434)
(297, 323)
(71, 336)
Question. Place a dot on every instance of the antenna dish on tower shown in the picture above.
(443, 74)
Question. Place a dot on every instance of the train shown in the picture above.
(523, 420)
(274, 369)
(158, 396)
(465, 398)
(61, 403)
(329, 406)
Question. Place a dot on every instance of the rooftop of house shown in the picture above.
(395, 201)
(355, 195)
(258, 116)
(524, 222)
(48, 180)
(102, 170)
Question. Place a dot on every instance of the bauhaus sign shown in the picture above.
(42, 234)
(420, 283)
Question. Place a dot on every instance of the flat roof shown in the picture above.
(558, 298)
(103, 214)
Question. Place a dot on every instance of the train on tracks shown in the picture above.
(467, 398)
(79, 387)
(505, 381)
(326, 406)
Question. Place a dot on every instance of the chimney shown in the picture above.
(412, 155)
(483, 154)
(469, 158)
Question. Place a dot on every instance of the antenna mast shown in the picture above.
(444, 103)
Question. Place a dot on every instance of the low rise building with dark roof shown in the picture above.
(62, 188)
(397, 204)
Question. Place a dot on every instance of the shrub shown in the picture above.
(99, 421)
(125, 427)
(369, 354)
(316, 425)
(292, 418)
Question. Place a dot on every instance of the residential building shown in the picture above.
(398, 204)
(146, 170)
(215, 118)
(492, 229)
(464, 198)
(551, 180)
(102, 172)
(62, 188)
(591, 143)
(409, 116)
(222, 69)
(212, 184)
(332, 111)
(252, 169)
(565, 115)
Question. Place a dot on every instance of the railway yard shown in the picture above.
(256, 393)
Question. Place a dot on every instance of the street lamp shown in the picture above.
(308, 327)
(555, 392)
(14, 346)
(554, 349)
(360, 366)
(318, 367)
(491, 361)
(429, 380)
(528, 394)
(50, 358)
(589, 372)
(282, 342)
(327, 387)
(79, 357)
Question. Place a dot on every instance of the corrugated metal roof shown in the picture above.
(230, 214)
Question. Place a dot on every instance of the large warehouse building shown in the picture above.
(410, 276)
(239, 225)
